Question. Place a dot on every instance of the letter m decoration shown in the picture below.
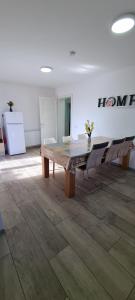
(121, 101)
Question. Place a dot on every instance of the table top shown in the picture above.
(73, 154)
(75, 148)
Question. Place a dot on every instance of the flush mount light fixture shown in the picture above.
(46, 69)
(123, 24)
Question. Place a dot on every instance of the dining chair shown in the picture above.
(47, 141)
(126, 146)
(94, 159)
(67, 139)
(82, 136)
(114, 151)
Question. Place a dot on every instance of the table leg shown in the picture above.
(45, 167)
(125, 161)
(69, 184)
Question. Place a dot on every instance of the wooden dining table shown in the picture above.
(72, 155)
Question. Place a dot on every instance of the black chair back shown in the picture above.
(96, 156)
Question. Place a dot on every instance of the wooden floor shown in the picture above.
(56, 248)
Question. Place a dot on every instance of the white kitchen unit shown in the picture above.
(14, 131)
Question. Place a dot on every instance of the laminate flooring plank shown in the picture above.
(90, 202)
(10, 212)
(121, 198)
(52, 208)
(4, 249)
(9, 283)
(71, 208)
(104, 235)
(38, 279)
(102, 203)
(101, 232)
(20, 193)
(50, 187)
(44, 231)
(86, 219)
(124, 253)
(21, 240)
(116, 206)
(120, 223)
(78, 282)
(123, 188)
(120, 233)
(108, 272)
(132, 295)
(36, 275)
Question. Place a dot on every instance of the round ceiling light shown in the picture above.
(46, 69)
(123, 24)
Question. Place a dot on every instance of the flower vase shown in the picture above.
(89, 138)
(11, 108)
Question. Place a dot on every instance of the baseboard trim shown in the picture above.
(33, 146)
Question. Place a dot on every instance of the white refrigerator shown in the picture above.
(14, 130)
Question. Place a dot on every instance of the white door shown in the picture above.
(48, 118)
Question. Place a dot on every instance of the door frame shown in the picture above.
(62, 97)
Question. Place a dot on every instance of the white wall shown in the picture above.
(26, 99)
(113, 122)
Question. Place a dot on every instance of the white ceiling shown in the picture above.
(42, 32)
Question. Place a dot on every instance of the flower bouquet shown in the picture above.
(10, 104)
(89, 127)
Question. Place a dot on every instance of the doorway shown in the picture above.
(64, 118)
